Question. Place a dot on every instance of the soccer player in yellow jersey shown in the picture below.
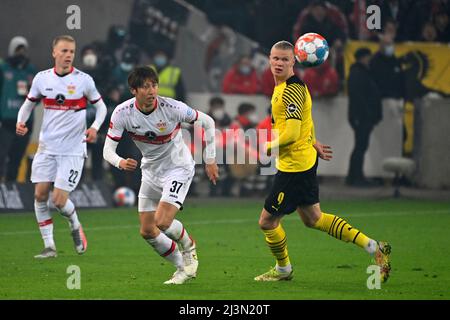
(295, 187)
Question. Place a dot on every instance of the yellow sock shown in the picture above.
(276, 240)
(340, 229)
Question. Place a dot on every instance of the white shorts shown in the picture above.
(171, 188)
(64, 171)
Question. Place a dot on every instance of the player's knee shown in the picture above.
(310, 222)
(163, 223)
(265, 224)
(149, 232)
(41, 196)
(59, 202)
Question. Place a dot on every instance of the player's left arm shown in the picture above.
(96, 100)
(207, 123)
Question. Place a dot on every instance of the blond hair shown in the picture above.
(283, 45)
(62, 38)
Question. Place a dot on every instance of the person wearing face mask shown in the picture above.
(16, 75)
(387, 72)
(241, 78)
(386, 69)
(218, 113)
(170, 79)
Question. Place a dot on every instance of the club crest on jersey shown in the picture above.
(161, 125)
(292, 108)
(60, 98)
(71, 89)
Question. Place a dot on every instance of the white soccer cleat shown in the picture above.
(190, 261)
(79, 240)
(47, 253)
(179, 277)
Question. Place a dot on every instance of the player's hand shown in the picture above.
(21, 129)
(212, 171)
(324, 151)
(266, 150)
(91, 135)
(128, 164)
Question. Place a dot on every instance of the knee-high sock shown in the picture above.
(177, 232)
(70, 213)
(342, 230)
(45, 221)
(167, 248)
(277, 242)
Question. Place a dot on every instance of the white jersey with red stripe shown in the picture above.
(157, 135)
(64, 100)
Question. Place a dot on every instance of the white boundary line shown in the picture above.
(237, 221)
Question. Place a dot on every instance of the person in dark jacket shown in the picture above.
(365, 112)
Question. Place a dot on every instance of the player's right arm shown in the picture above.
(27, 107)
(112, 140)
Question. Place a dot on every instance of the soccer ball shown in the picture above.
(311, 49)
(124, 197)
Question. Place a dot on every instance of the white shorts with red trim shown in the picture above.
(171, 188)
(64, 171)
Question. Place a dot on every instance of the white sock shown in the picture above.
(286, 269)
(45, 222)
(70, 213)
(168, 249)
(177, 232)
(371, 246)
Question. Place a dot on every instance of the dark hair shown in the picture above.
(361, 53)
(137, 77)
(216, 100)
(245, 107)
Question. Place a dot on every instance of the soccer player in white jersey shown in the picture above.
(153, 122)
(64, 91)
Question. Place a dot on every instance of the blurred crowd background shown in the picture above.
(213, 55)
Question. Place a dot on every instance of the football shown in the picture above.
(311, 49)
(124, 197)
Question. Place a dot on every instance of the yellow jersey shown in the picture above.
(291, 101)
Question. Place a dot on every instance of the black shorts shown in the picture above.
(291, 190)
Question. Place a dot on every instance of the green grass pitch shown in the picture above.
(231, 250)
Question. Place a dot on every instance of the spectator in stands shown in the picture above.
(170, 78)
(16, 75)
(267, 82)
(428, 33)
(223, 120)
(241, 78)
(130, 58)
(386, 69)
(246, 119)
(364, 113)
(322, 81)
(396, 11)
(442, 26)
(218, 113)
(120, 91)
(327, 20)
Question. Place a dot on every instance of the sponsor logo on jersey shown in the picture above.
(292, 108)
(161, 125)
(60, 98)
(48, 89)
(71, 89)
